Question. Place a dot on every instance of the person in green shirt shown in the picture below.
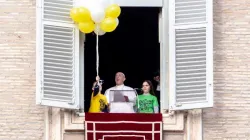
(147, 102)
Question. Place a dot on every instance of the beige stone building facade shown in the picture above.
(22, 119)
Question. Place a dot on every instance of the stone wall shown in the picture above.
(230, 117)
(20, 117)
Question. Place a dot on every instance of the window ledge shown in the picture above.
(81, 114)
(171, 122)
(72, 122)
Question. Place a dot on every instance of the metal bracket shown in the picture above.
(178, 104)
(70, 103)
(80, 112)
(170, 113)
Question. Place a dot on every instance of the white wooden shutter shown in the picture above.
(57, 55)
(190, 54)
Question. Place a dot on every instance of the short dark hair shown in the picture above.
(157, 73)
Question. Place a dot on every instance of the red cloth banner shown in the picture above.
(116, 126)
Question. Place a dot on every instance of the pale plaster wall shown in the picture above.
(230, 117)
(20, 118)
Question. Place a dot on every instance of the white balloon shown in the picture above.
(104, 3)
(117, 21)
(90, 4)
(82, 3)
(97, 13)
(77, 3)
(98, 30)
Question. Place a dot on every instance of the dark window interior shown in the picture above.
(133, 48)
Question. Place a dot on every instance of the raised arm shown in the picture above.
(156, 105)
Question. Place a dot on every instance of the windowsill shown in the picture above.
(81, 114)
(75, 122)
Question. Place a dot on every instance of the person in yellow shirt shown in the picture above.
(98, 103)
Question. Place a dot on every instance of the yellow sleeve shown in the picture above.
(91, 97)
(105, 100)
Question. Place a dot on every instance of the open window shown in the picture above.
(133, 48)
(185, 53)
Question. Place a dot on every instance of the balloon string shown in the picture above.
(97, 54)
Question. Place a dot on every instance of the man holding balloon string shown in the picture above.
(99, 17)
(95, 17)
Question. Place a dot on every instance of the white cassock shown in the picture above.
(123, 107)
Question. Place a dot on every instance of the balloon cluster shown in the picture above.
(100, 17)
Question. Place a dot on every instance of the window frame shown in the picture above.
(165, 58)
(40, 23)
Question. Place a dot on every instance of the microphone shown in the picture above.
(138, 101)
(138, 89)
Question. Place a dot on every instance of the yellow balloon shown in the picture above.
(113, 11)
(108, 24)
(83, 14)
(86, 27)
(74, 14)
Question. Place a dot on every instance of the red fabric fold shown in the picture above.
(127, 122)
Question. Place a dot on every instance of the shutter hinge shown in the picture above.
(38, 6)
(41, 86)
(178, 104)
(72, 101)
(41, 91)
(41, 94)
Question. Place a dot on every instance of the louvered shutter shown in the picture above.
(57, 55)
(190, 54)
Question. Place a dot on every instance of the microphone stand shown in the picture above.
(138, 101)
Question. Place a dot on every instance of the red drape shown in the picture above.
(137, 129)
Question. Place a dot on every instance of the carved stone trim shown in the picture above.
(174, 122)
(48, 122)
(72, 121)
(193, 130)
(170, 123)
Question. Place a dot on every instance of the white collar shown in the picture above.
(119, 86)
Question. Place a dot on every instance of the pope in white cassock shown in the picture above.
(121, 107)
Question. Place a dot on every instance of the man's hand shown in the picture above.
(97, 78)
(126, 98)
(99, 85)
